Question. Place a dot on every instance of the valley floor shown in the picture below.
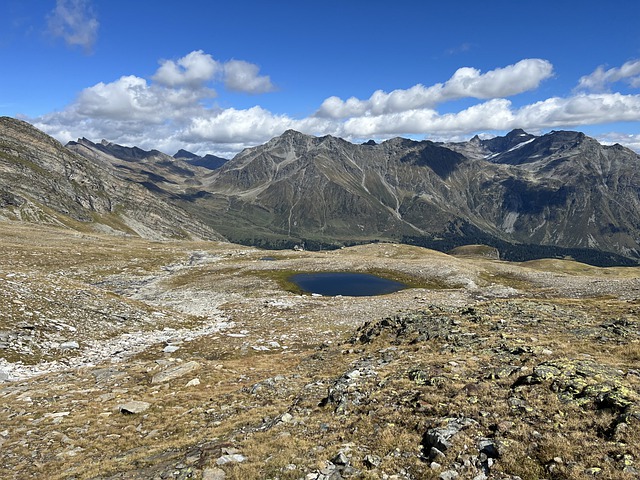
(122, 358)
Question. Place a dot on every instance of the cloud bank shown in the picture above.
(465, 83)
(175, 108)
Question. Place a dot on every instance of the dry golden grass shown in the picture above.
(245, 389)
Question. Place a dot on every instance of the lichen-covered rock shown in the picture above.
(415, 327)
(583, 381)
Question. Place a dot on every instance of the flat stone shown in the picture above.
(439, 437)
(213, 474)
(133, 407)
(170, 349)
(286, 417)
(449, 475)
(235, 458)
(56, 415)
(175, 372)
(193, 383)
(106, 396)
(71, 345)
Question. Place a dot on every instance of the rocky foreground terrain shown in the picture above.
(124, 358)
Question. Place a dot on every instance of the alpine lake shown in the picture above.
(346, 284)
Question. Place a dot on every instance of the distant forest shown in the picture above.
(513, 252)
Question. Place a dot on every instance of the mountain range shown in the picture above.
(43, 182)
(558, 194)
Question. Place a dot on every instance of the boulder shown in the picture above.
(133, 407)
(175, 372)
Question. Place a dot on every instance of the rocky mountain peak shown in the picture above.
(292, 136)
(517, 132)
(509, 141)
(185, 154)
(559, 192)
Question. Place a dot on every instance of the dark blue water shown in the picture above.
(347, 284)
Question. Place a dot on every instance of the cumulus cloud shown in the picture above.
(174, 108)
(466, 82)
(170, 109)
(243, 76)
(600, 79)
(586, 109)
(198, 68)
(252, 125)
(75, 22)
(194, 69)
(499, 114)
(132, 98)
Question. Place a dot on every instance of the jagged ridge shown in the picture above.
(557, 194)
(44, 182)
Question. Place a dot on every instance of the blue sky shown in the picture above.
(220, 76)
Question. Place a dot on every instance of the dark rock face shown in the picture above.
(557, 191)
(184, 155)
(502, 144)
(523, 197)
(439, 159)
(210, 162)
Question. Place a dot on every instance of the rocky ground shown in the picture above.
(128, 359)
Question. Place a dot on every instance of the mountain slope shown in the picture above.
(560, 190)
(559, 194)
(43, 182)
(210, 162)
(152, 169)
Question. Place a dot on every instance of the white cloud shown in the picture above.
(194, 69)
(490, 115)
(174, 109)
(170, 109)
(600, 79)
(499, 114)
(628, 140)
(75, 22)
(465, 83)
(579, 110)
(251, 125)
(243, 76)
(502, 82)
(199, 68)
(132, 98)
